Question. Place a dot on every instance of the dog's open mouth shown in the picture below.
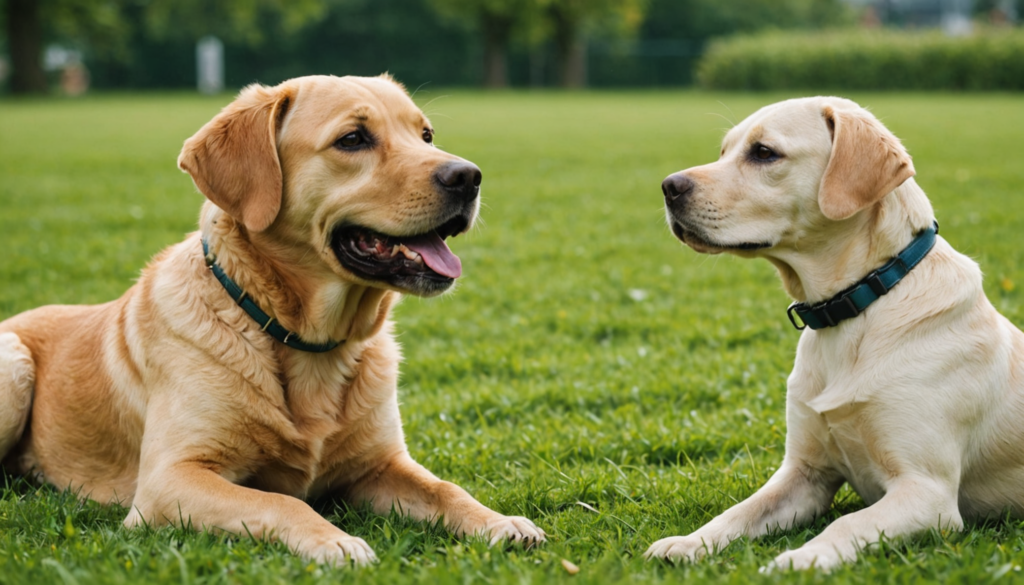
(702, 243)
(415, 262)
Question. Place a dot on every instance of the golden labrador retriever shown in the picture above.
(907, 383)
(230, 384)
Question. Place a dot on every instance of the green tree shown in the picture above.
(497, 21)
(30, 23)
(241, 21)
(573, 20)
(25, 43)
(677, 31)
(105, 25)
(703, 19)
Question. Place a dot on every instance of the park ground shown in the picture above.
(588, 372)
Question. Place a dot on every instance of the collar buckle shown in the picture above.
(794, 315)
(874, 282)
(847, 299)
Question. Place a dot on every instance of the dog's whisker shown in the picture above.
(731, 113)
(731, 123)
(415, 91)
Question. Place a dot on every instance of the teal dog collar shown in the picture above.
(265, 321)
(854, 300)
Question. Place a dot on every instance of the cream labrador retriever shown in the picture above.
(253, 365)
(907, 383)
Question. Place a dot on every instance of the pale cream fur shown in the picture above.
(171, 400)
(918, 402)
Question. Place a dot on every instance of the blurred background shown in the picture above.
(71, 46)
(589, 372)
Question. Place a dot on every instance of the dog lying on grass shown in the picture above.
(253, 365)
(907, 383)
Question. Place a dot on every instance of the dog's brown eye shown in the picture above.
(350, 140)
(428, 136)
(762, 152)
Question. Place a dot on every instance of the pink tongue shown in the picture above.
(436, 254)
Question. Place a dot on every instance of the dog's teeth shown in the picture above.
(411, 255)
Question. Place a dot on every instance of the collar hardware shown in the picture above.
(793, 317)
(267, 323)
(875, 283)
(853, 301)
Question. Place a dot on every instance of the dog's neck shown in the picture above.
(826, 260)
(292, 285)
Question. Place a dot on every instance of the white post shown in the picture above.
(956, 17)
(210, 65)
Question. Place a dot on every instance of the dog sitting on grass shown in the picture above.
(907, 384)
(253, 365)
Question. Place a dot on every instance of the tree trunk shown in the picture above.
(574, 66)
(25, 41)
(571, 51)
(537, 66)
(497, 30)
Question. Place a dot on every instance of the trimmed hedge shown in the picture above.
(859, 59)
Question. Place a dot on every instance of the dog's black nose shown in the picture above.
(676, 186)
(459, 178)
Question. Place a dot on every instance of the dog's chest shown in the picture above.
(322, 429)
(288, 459)
(855, 453)
(842, 438)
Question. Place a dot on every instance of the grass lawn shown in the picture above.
(588, 372)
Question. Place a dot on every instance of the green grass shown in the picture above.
(589, 371)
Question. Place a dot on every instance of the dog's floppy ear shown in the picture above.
(866, 164)
(233, 158)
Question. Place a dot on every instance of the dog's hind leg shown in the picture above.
(17, 378)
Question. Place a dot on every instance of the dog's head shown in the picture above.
(346, 168)
(790, 169)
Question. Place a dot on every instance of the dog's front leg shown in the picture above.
(794, 495)
(404, 485)
(911, 505)
(191, 494)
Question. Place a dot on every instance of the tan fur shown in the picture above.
(867, 163)
(233, 159)
(918, 402)
(173, 401)
(17, 375)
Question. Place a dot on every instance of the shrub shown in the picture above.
(859, 59)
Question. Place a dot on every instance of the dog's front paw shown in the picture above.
(514, 529)
(678, 548)
(819, 557)
(340, 550)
